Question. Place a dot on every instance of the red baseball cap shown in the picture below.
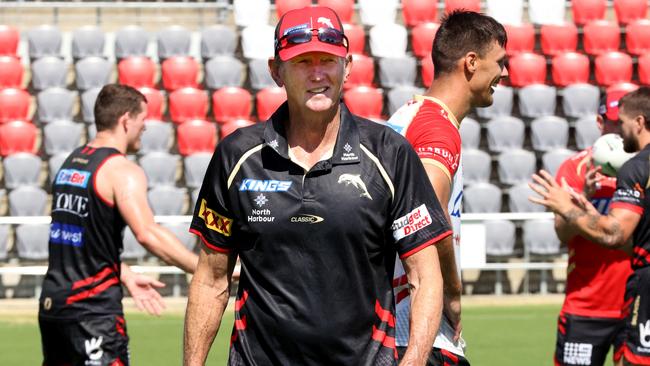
(298, 21)
(609, 104)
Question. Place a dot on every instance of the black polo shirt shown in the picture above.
(317, 248)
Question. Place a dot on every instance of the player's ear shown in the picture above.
(274, 69)
(600, 122)
(123, 121)
(471, 62)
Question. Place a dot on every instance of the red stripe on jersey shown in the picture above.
(233, 336)
(94, 278)
(119, 325)
(425, 244)
(384, 315)
(635, 359)
(561, 329)
(403, 294)
(399, 281)
(93, 291)
(117, 362)
(618, 353)
(385, 340)
(241, 301)
(627, 206)
(240, 324)
(449, 355)
(207, 244)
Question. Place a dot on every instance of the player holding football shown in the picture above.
(589, 322)
(626, 220)
(469, 61)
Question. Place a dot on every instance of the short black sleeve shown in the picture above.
(630, 186)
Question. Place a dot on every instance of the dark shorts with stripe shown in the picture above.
(636, 348)
(439, 357)
(583, 340)
(97, 341)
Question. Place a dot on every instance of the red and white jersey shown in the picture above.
(593, 270)
(432, 130)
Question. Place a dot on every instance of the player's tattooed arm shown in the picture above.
(600, 229)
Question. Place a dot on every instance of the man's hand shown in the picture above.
(559, 199)
(451, 310)
(143, 290)
(593, 177)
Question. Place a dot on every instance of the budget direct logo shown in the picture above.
(214, 221)
(411, 223)
(66, 234)
(269, 185)
(73, 177)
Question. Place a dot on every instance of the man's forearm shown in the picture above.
(602, 230)
(452, 286)
(563, 230)
(163, 244)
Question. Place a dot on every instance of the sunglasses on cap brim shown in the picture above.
(326, 35)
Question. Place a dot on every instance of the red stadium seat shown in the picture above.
(613, 68)
(11, 72)
(9, 38)
(585, 11)
(231, 126)
(427, 71)
(231, 103)
(196, 136)
(558, 38)
(365, 101)
(570, 68)
(356, 36)
(283, 6)
(644, 69)
(527, 68)
(637, 37)
(521, 38)
(344, 8)
(268, 100)
(419, 11)
(155, 101)
(180, 72)
(17, 136)
(628, 11)
(137, 71)
(422, 36)
(14, 105)
(601, 36)
(473, 5)
(362, 73)
(188, 103)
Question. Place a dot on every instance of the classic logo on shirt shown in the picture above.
(307, 219)
(355, 180)
(71, 203)
(73, 177)
(214, 221)
(411, 223)
(269, 185)
(66, 234)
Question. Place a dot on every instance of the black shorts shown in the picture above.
(439, 357)
(583, 340)
(97, 341)
(636, 348)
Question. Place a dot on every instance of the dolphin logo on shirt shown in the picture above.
(355, 180)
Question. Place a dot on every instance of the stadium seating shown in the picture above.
(231, 126)
(196, 136)
(344, 8)
(505, 132)
(357, 38)
(14, 105)
(249, 12)
(54, 163)
(27, 201)
(61, 136)
(551, 160)
(427, 71)
(9, 39)
(48, 72)
(397, 71)
(515, 166)
(4, 236)
(167, 200)
(222, 71)
(502, 102)
(482, 198)
(500, 237)
(540, 238)
(527, 68)
(558, 38)
(11, 72)
(537, 100)
(613, 68)
(22, 169)
(54, 104)
(88, 41)
(580, 99)
(585, 11)
(546, 11)
(570, 68)
(218, 40)
(180, 231)
(375, 12)
(32, 241)
(132, 250)
(628, 11)
(364, 101)
(156, 137)
(422, 36)
(268, 100)
(388, 40)
(259, 74)
(187, 104)
(518, 199)
(179, 72)
(160, 168)
(601, 36)
(93, 72)
(473, 5)
(283, 6)
(549, 133)
(195, 166)
(155, 101)
(131, 40)
(470, 133)
(88, 99)
(362, 73)
(257, 41)
(231, 103)
(506, 12)
(398, 96)
(419, 11)
(643, 64)
(637, 37)
(477, 166)
(137, 71)
(521, 38)
(173, 41)
(44, 40)
(586, 132)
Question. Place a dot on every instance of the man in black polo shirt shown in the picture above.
(315, 202)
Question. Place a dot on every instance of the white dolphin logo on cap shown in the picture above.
(325, 21)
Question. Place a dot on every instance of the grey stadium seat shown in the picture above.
(156, 136)
(470, 133)
(499, 237)
(32, 241)
(580, 100)
(505, 133)
(195, 167)
(540, 238)
(44, 40)
(518, 199)
(551, 160)
(167, 200)
(22, 169)
(131, 40)
(218, 40)
(181, 231)
(93, 72)
(62, 136)
(88, 99)
(221, 71)
(49, 72)
(55, 103)
(516, 166)
(54, 164)
(548, 133)
(194, 196)
(481, 198)
(174, 40)
(395, 72)
(587, 131)
(537, 100)
(4, 241)
(160, 168)
(477, 166)
(398, 96)
(88, 41)
(259, 74)
(502, 103)
(27, 201)
(132, 248)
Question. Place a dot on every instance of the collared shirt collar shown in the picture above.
(452, 117)
(346, 150)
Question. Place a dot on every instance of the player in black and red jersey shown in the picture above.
(95, 194)
(626, 220)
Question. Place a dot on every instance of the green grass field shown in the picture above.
(496, 335)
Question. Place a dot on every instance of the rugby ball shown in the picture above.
(608, 153)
